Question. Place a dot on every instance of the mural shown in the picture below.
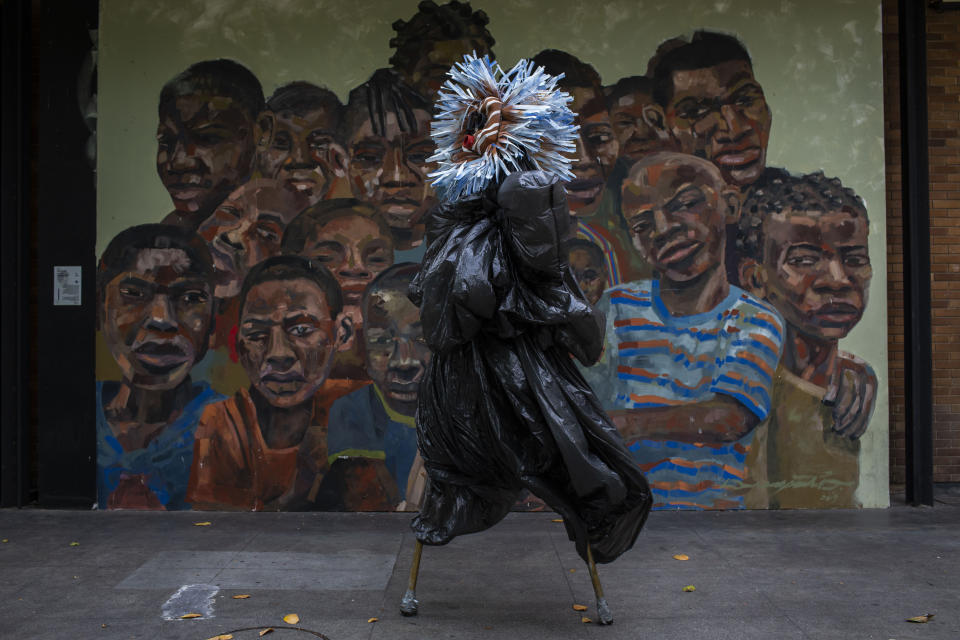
(155, 289)
(257, 349)
(803, 247)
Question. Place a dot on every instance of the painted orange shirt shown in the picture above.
(233, 468)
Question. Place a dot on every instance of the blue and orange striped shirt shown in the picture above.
(654, 359)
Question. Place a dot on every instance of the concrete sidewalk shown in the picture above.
(770, 575)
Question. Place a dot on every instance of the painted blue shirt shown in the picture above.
(653, 359)
(362, 425)
(410, 255)
(164, 463)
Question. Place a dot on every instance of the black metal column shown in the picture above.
(66, 235)
(16, 477)
(916, 248)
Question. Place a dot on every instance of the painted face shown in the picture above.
(354, 249)
(390, 171)
(396, 353)
(720, 113)
(817, 269)
(205, 150)
(589, 272)
(675, 211)
(246, 229)
(157, 317)
(596, 152)
(305, 156)
(635, 137)
(286, 340)
(435, 58)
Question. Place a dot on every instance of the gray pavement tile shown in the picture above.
(273, 605)
(67, 578)
(347, 569)
(826, 625)
(723, 627)
(75, 629)
(865, 604)
(248, 627)
(155, 578)
(309, 541)
(808, 575)
(301, 580)
(528, 615)
(336, 559)
(714, 597)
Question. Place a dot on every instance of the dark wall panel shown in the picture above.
(66, 227)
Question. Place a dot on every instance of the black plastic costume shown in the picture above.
(502, 406)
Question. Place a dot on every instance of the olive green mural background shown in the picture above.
(819, 63)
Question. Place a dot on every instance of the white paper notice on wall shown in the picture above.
(66, 286)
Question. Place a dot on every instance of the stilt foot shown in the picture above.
(604, 615)
(409, 603)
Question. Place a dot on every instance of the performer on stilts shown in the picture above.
(502, 406)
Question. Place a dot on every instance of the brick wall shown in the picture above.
(943, 71)
(943, 68)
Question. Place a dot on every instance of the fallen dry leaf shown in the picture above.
(202, 524)
(585, 620)
(4, 541)
(266, 631)
(579, 607)
(188, 616)
(222, 636)
(573, 570)
(557, 520)
(291, 618)
(373, 619)
(681, 556)
(74, 544)
(689, 588)
(242, 596)
(927, 617)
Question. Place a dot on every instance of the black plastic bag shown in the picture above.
(503, 407)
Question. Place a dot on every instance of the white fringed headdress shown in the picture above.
(490, 123)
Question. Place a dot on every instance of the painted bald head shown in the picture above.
(676, 207)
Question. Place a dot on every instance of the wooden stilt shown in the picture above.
(408, 604)
(604, 614)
